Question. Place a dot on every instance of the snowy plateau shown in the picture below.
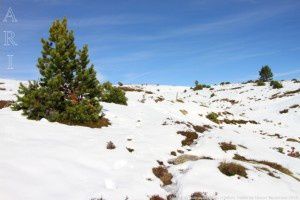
(52, 161)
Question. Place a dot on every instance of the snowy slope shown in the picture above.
(43, 160)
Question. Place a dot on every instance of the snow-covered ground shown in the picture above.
(43, 160)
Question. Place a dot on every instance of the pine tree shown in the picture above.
(265, 74)
(68, 90)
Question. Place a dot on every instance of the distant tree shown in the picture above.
(196, 83)
(265, 74)
(68, 90)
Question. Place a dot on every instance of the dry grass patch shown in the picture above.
(189, 137)
(156, 197)
(292, 140)
(159, 99)
(225, 146)
(163, 174)
(4, 103)
(240, 121)
(285, 94)
(231, 169)
(273, 165)
(184, 112)
(201, 129)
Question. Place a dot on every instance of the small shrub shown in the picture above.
(231, 169)
(276, 84)
(260, 83)
(265, 74)
(227, 146)
(4, 103)
(110, 145)
(120, 84)
(213, 117)
(225, 83)
(156, 197)
(200, 86)
(113, 94)
(163, 174)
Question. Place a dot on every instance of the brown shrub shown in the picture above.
(201, 129)
(200, 196)
(163, 174)
(189, 137)
(156, 197)
(4, 103)
(227, 146)
(110, 145)
(231, 169)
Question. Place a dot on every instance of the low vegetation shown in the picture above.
(156, 197)
(162, 173)
(231, 169)
(4, 103)
(111, 94)
(225, 146)
(240, 121)
(200, 86)
(276, 84)
(260, 83)
(273, 165)
(213, 117)
(189, 137)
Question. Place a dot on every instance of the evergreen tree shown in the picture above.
(68, 90)
(265, 74)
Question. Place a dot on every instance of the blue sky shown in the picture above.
(163, 41)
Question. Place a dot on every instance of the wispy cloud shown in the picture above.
(293, 72)
(226, 23)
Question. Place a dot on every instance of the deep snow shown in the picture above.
(43, 160)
